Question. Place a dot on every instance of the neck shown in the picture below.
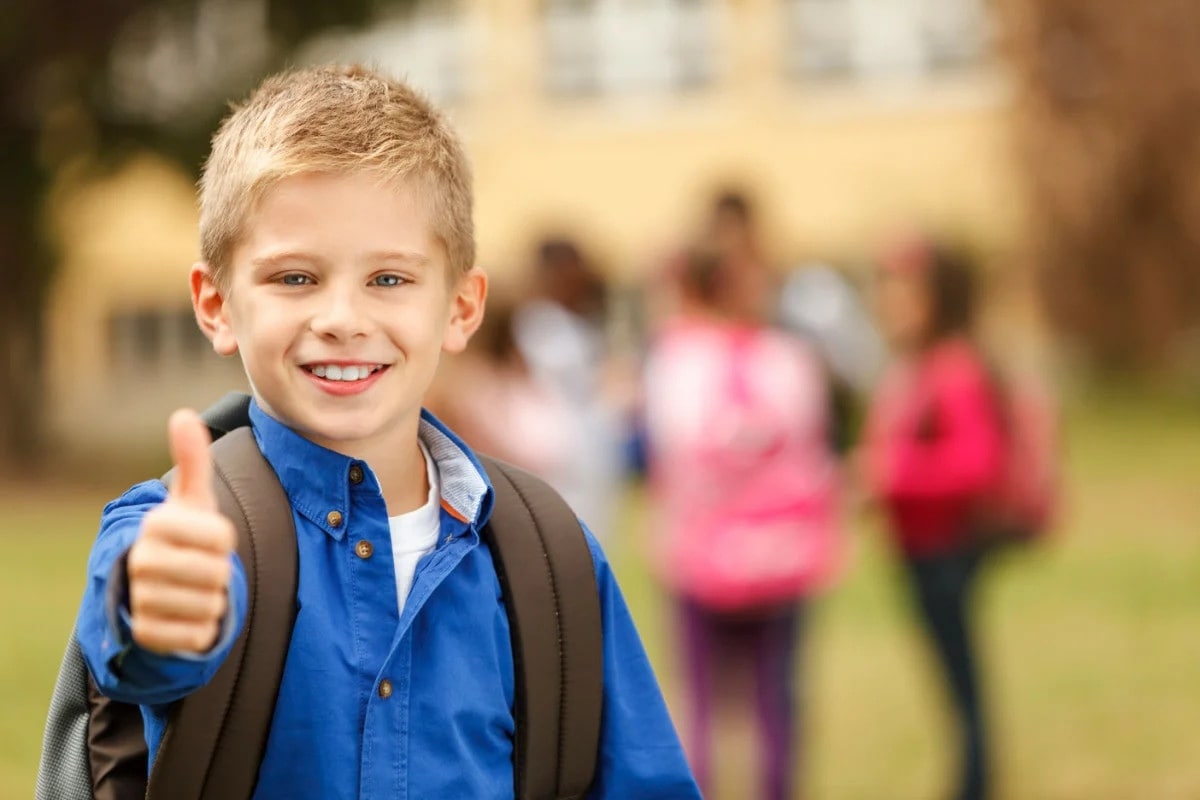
(400, 470)
(404, 479)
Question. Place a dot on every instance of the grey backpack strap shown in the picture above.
(236, 707)
(548, 581)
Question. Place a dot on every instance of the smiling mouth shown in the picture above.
(348, 373)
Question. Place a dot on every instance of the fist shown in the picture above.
(179, 567)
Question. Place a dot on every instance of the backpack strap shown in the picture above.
(548, 581)
(237, 706)
(227, 414)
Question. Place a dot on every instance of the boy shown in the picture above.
(338, 262)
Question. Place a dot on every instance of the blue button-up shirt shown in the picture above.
(375, 703)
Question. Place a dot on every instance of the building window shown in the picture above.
(145, 340)
(627, 46)
(572, 48)
(882, 38)
(694, 44)
(426, 44)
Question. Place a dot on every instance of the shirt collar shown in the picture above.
(317, 479)
(466, 490)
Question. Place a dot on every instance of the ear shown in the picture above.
(467, 300)
(208, 302)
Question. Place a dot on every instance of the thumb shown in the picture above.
(189, 441)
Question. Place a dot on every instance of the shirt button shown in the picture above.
(356, 474)
(363, 549)
(385, 688)
(334, 518)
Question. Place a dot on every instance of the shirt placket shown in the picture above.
(371, 576)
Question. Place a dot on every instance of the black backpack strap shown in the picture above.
(237, 706)
(548, 581)
(228, 414)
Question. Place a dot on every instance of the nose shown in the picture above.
(341, 314)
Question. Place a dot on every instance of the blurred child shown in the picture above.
(933, 453)
(745, 483)
(491, 398)
(561, 336)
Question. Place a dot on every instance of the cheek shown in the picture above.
(262, 334)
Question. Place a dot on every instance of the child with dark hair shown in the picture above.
(746, 486)
(934, 448)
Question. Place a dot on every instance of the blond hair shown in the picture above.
(334, 119)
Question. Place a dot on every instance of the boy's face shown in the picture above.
(339, 303)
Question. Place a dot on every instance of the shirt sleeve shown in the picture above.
(640, 755)
(121, 668)
(965, 453)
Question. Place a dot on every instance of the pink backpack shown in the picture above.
(741, 462)
(1025, 503)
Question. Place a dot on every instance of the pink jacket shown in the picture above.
(934, 446)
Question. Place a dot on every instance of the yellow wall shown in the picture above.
(828, 177)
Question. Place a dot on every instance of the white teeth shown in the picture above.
(333, 372)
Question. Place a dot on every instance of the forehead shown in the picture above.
(340, 214)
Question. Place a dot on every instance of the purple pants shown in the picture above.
(767, 642)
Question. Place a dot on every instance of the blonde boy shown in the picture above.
(338, 262)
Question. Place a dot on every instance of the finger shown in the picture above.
(189, 441)
(172, 635)
(186, 527)
(153, 562)
(168, 601)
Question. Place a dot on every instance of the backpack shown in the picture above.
(94, 748)
(748, 476)
(1024, 504)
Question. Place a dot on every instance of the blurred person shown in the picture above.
(733, 230)
(561, 335)
(745, 488)
(821, 304)
(491, 398)
(933, 451)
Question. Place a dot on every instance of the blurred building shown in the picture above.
(610, 119)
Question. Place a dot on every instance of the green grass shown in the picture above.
(1092, 642)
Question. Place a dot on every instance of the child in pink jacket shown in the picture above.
(934, 451)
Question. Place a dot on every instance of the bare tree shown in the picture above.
(1109, 128)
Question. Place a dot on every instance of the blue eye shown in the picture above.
(388, 280)
(295, 279)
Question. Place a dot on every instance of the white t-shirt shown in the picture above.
(415, 533)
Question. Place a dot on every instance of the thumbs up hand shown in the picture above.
(179, 567)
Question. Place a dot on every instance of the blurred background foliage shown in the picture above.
(85, 84)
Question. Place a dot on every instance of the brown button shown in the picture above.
(356, 474)
(363, 549)
(385, 688)
(334, 518)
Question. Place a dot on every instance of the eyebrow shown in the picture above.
(281, 259)
(406, 256)
(276, 260)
